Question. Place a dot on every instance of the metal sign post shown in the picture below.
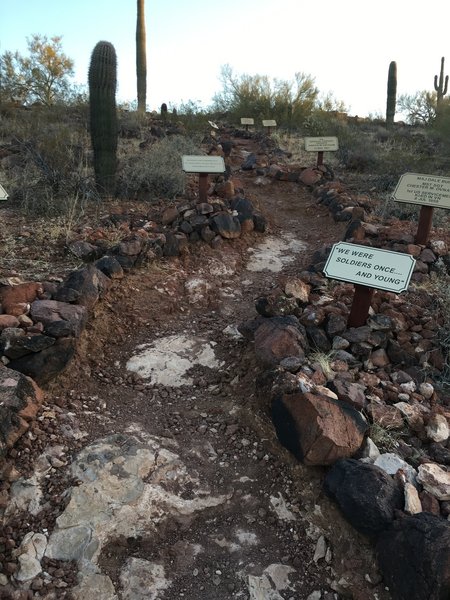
(368, 268)
(430, 191)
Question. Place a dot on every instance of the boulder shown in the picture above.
(84, 286)
(366, 495)
(47, 364)
(435, 480)
(59, 317)
(317, 429)
(20, 400)
(226, 225)
(277, 338)
(414, 558)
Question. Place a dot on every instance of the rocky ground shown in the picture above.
(153, 468)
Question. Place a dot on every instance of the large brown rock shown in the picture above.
(279, 337)
(20, 400)
(317, 429)
(15, 298)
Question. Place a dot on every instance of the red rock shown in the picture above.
(278, 338)
(388, 417)
(8, 321)
(21, 294)
(379, 358)
(316, 428)
(310, 176)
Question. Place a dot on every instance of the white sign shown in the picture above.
(202, 164)
(372, 267)
(247, 121)
(269, 123)
(3, 193)
(321, 144)
(428, 190)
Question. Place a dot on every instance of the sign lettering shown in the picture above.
(427, 190)
(202, 164)
(321, 144)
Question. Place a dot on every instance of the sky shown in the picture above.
(345, 45)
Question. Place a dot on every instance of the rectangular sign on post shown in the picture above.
(202, 164)
(247, 121)
(3, 193)
(269, 123)
(371, 267)
(427, 190)
(321, 144)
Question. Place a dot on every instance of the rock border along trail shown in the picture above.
(176, 486)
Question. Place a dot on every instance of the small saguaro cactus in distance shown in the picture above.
(391, 94)
(164, 111)
(441, 86)
(103, 115)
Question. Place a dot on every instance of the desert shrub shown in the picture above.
(50, 167)
(156, 172)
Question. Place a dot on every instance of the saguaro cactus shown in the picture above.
(440, 86)
(141, 58)
(103, 115)
(391, 93)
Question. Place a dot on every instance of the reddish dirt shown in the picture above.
(221, 407)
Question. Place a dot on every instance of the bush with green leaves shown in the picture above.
(156, 172)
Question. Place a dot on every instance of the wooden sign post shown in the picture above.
(203, 165)
(247, 121)
(269, 123)
(368, 268)
(3, 193)
(427, 190)
(321, 145)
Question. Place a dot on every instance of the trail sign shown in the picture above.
(202, 164)
(430, 191)
(247, 121)
(370, 267)
(269, 123)
(3, 193)
(321, 144)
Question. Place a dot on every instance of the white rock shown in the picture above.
(408, 387)
(426, 389)
(413, 504)
(321, 549)
(316, 595)
(391, 463)
(435, 480)
(437, 428)
(29, 567)
(369, 450)
(439, 247)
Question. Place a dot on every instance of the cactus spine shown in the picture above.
(391, 93)
(440, 86)
(141, 58)
(103, 115)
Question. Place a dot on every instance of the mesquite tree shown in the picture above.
(103, 115)
(391, 93)
(141, 58)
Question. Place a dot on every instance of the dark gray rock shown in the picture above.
(59, 316)
(46, 365)
(110, 267)
(84, 286)
(366, 495)
(414, 558)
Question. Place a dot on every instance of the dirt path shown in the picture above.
(229, 513)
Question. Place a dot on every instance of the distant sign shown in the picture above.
(428, 190)
(269, 123)
(247, 121)
(372, 267)
(3, 193)
(321, 144)
(202, 164)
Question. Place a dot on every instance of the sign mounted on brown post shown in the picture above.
(247, 121)
(368, 268)
(203, 165)
(320, 145)
(430, 191)
(269, 123)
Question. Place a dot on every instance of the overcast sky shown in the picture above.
(345, 45)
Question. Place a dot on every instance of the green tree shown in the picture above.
(288, 102)
(42, 76)
(419, 108)
(141, 58)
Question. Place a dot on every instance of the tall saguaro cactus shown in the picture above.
(141, 58)
(440, 86)
(391, 94)
(103, 115)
